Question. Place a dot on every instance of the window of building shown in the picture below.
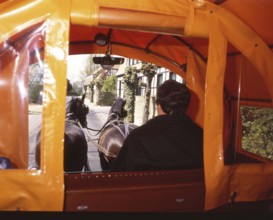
(159, 80)
(172, 76)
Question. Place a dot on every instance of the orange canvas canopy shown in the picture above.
(212, 36)
(221, 42)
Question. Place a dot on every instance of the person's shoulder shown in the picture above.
(155, 121)
(145, 128)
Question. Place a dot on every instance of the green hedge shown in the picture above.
(257, 130)
(106, 98)
(34, 93)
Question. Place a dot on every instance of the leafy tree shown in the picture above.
(99, 83)
(36, 75)
(68, 87)
(34, 93)
(91, 87)
(148, 70)
(109, 84)
(257, 130)
(77, 89)
(108, 91)
(90, 67)
(130, 84)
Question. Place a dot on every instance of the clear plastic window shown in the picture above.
(257, 130)
(21, 86)
(35, 100)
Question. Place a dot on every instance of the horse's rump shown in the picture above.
(110, 142)
(113, 134)
(75, 150)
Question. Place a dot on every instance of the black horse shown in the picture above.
(113, 134)
(75, 145)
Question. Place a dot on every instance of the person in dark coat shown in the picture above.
(171, 140)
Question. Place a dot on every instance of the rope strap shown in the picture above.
(124, 134)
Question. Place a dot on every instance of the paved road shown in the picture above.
(34, 122)
(96, 117)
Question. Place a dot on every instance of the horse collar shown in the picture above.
(72, 121)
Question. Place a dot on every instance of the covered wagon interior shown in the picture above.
(223, 51)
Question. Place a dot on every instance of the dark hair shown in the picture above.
(173, 97)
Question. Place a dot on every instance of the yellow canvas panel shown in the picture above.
(226, 33)
(222, 181)
(213, 30)
(24, 189)
(195, 78)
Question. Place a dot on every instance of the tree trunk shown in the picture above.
(147, 100)
(98, 92)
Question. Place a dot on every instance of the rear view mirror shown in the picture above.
(107, 62)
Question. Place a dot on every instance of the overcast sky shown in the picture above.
(75, 65)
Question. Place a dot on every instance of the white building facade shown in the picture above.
(162, 75)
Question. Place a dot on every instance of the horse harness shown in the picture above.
(77, 122)
(115, 123)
